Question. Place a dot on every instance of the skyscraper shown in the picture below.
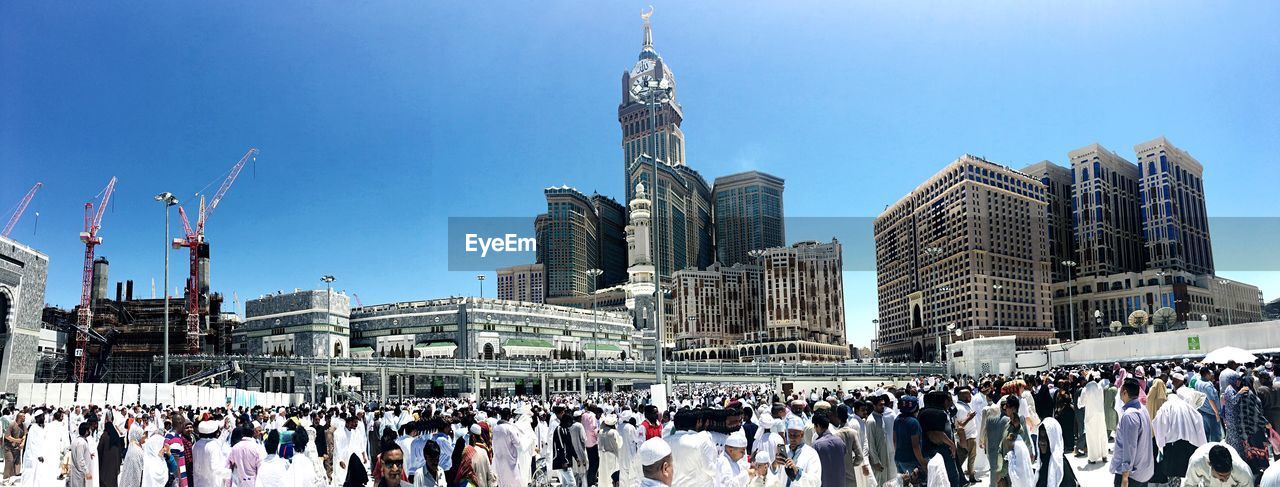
(1105, 212)
(612, 243)
(639, 135)
(1062, 241)
(568, 242)
(681, 214)
(1174, 220)
(966, 250)
(748, 215)
(525, 283)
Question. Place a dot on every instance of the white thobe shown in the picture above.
(303, 473)
(34, 471)
(938, 472)
(806, 459)
(1095, 420)
(628, 468)
(210, 468)
(346, 442)
(695, 458)
(730, 473)
(506, 456)
(527, 439)
(274, 471)
(1021, 470)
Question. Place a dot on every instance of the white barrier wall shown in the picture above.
(70, 394)
(1255, 337)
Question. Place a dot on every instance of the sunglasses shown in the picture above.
(393, 463)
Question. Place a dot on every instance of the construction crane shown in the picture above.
(193, 240)
(22, 206)
(84, 318)
(357, 298)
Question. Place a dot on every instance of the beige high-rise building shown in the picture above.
(967, 250)
(525, 283)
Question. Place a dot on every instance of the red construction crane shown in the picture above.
(22, 206)
(84, 318)
(193, 240)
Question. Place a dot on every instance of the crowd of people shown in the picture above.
(1168, 423)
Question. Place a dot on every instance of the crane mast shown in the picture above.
(84, 318)
(194, 238)
(22, 207)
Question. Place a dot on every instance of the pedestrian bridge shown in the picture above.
(627, 371)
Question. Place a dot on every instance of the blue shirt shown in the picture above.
(1211, 396)
(1133, 452)
(903, 429)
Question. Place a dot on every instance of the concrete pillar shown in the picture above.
(488, 384)
(311, 379)
(475, 384)
(582, 383)
(543, 383)
(382, 383)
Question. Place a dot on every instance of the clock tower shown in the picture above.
(639, 137)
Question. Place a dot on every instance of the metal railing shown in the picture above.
(603, 367)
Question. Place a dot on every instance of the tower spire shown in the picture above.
(648, 31)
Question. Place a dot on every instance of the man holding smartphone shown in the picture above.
(796, 460)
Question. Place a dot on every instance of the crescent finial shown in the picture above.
(646, 15)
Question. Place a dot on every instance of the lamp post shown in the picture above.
(328, 316)
(654, 92)
(480, 277)
(758, 256)
(1071, 308)
(1227, 304)
(169, 200)
(595, 278)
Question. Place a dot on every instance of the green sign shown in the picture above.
(1193, 343)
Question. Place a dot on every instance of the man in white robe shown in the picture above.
(39, 460)
(528, 440)
(731, 466)
(347, 440)
(1095, 420)
(506, 453)
(800, 463)
(210, 468)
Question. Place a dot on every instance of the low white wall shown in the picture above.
(1255, 337)
(71, 394)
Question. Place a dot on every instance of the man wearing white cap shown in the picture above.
(731, 469)
(610, 445)
(799, 462)
(38, 460)
(656, 463)
(210, 468)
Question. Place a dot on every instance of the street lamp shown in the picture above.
(328, 316)
(1226, 304)
(480, 277)
(1071, 308)
(595, 279)
(758, 256)
(169, 200)
(653, 93)
(996, 288)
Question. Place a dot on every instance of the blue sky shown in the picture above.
(379, 120)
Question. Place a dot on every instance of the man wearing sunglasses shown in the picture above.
(392, 467)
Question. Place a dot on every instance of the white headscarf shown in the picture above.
(1179, 419)
(155, 472)
(1054, 431)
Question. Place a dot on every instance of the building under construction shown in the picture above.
(128, 333)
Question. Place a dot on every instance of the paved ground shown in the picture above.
(1088, 475)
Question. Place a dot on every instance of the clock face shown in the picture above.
(640, 85)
